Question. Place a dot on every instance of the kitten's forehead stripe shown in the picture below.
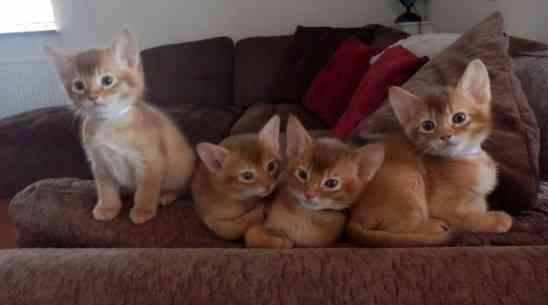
(89, 61)
(246, 145)
(326, 153)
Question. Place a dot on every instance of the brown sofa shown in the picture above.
(212, 83)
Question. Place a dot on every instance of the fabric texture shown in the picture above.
(333, 86)
(395, 66)
(532, 69)
(473, 276)
(197, 72)
(311, 49)
(38, 144)
(57, 213)
(257, 59)
(256, 116)
(514, 142)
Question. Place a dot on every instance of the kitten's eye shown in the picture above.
(78, 86)
(247, 176)
(302, 174)
(272, 166)
(331, 184)
(459, 118)
(107, 81)
(428, 126)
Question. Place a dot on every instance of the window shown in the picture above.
(26, 16)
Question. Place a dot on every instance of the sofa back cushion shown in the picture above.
(197, 72)
(256, 62)
(514, 142)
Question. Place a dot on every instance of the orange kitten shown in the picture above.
(323, 179)
(233, 179)
(436, 175)
(130, 144)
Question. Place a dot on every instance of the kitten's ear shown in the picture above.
(59, 58)
(369, 158)
(404, 103)
(475, 81)
(270, 134)
(125, 50)
(213, 156)
(298, 140)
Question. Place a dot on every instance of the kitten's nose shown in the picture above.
(309, 195)
(446, 137)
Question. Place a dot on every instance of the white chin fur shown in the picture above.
(110, 108)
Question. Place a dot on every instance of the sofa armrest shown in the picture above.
(480, 275)
(38, 144)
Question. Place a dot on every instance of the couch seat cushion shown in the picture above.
(256, 116)
(57, 213)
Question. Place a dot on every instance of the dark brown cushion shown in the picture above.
(256, 116)
(257, 59)
(514, 143)
(531, 67)
(43, 143)
(197, 72)
(311, 49)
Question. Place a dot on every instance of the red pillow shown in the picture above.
(332, 88)
(395, 66)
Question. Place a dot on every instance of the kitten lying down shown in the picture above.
(130, 144)
(234, 178)
(435, 175)
(323, 178)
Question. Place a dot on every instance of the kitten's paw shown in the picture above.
(168, 197)
(103, 212)
(139, 216)
(502, 222)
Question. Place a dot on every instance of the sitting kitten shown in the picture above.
(436, 175)
(130, 144)
(324, 178)
(233, 179)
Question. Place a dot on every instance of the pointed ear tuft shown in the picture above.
(475, 82)
(270, 134)
(298, 140)
(369, 158)
(58, 58)
(404, 103)
(213, 156)
(125, 50)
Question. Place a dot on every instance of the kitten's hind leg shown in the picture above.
(432, 226)
(482, 222)
(263, 237)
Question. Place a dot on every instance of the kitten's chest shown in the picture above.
(112, 151)
(475, 173)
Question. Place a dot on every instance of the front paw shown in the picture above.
(502, 222)
(139, 216)
(105, 212)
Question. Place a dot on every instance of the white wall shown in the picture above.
(90, 23)
(525, 18)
